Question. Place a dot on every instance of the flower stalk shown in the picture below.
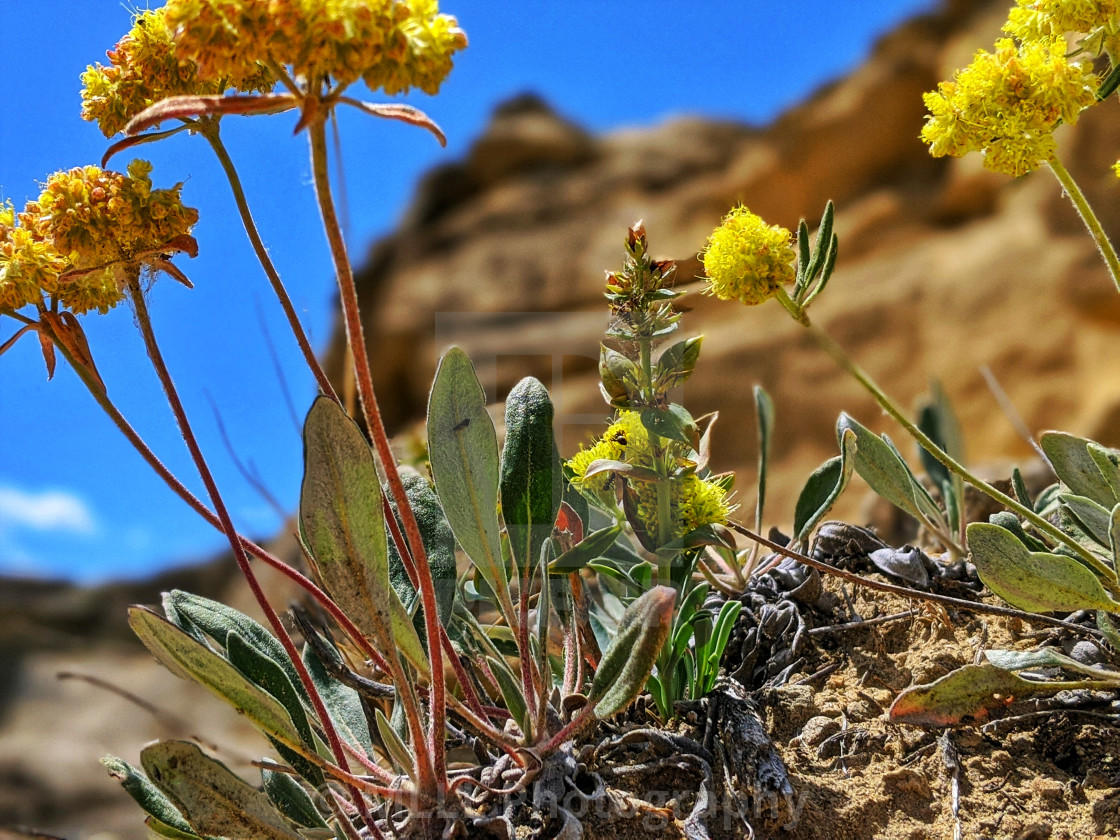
(143, 318)
(433, 775)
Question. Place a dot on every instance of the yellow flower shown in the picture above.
(391, 44)
(1007, 104)
(28, 264)
(746, 259)
(85, 234)
(610, 447)
(1043, 19)
(693, 501)
(144, 68)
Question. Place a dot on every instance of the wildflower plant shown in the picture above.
(649, 473)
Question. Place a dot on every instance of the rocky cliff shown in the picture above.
(943, 268)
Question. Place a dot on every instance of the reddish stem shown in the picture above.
(144, 321)
(352, 317)
(209, 129)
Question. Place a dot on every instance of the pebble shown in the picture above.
(817, 729)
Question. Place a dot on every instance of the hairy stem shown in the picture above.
(906, 592)
(436, 753)
(210, 130)
(144, 321)
(861, 376)
(180, 490)
(1085, 210)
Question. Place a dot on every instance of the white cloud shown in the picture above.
(49, 510)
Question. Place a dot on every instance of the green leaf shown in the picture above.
(682, 622)
(218, 620)
(1010, 522)
(628, 662)
(1094, 519)
(342, 702)
(268, 674)
(343, 525)
(215, 800)
(672, 422)
(147, 795)
(622, 468)
(764, 413)
(1114, 536)
(1033, 580)
(186, 657)
(618, 376)
(511, 692)
(1075, 467)
(1020, 486)
(439, 546)
(824, 487)
(725, 623)
(1105, 625)
(972, 691)
(159, 828)
(397, 749)
(1021, 660)
(463, 452)
(531, 480)
(939, 422)
(291, 799)
(879, 464)
(1108, 462)
(676, 363)
(590, 548)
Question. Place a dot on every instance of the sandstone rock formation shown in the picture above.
(943, 268)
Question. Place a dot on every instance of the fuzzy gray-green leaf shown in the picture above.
(531, 479)
(1033, 580)
(463, 452)
(342, 523)
(291, 799)
(265, 672)
(1094, 518)
(1076, 468)
(824, 487)
(884, 471)
(215, 800)
(439, 546)
(343, 702)
(219, 620)
(1021, 660)
(147, 795)
(187, 657)
(628, 662)
(512, 694)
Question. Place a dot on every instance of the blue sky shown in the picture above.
(75, 499)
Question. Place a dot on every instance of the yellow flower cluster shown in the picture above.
(393, 45)
(144, 68)
(88, 228)
(1032, 20)
(746, 259)
(693, 501)
(1006, 104)
(28, 262)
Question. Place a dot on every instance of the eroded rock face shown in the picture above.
(944, 267)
